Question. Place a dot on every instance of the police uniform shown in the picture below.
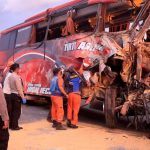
(4, 135)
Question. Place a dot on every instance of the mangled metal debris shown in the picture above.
(126, 71)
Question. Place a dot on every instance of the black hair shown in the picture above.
(56, 71)
(10, 68)
(14, 66)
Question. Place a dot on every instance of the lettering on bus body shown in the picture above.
(83, 46)
(37, 89)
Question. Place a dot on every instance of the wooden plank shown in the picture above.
(110, 97)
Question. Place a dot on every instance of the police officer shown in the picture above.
(4, 122)
(7, 92)
(17, 95)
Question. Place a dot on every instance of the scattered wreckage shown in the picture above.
(120, 85)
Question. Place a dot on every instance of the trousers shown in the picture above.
(4, 136)
(9, 106)
(57, 111)
(74, 102)
(16, 110)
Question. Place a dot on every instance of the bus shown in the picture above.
(67, 35)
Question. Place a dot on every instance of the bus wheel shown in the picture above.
(109, 107)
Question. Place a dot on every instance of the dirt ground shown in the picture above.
(37, 134)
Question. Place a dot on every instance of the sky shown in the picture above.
(13, 12)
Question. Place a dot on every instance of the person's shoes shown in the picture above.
(54, 124)
(20, 128)
(73, 126)
(148, 136)
(49, 119)
(17, 128)
(69, 123)
(60, 127)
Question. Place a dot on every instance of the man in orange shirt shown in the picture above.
(57, 92)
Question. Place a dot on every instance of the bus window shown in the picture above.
(40, 31)
(86, 24)
(69, 28)
(64, 27)
(23, 36)
(55, 31)
(7, 41)
(81, 25)
(119, 27)
(73, 21)
(4, 41)
(40, 34)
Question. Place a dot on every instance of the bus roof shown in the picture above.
(55, 9)
(41, 16)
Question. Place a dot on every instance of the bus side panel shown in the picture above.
(36, 71)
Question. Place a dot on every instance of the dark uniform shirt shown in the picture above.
(3, 107)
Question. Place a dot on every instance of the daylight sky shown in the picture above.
(13, 12)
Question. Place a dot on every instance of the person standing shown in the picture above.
(7, 93)
(17, 95)
(4, 122)
(74, 99)
(57, 92)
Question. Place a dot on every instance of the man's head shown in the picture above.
(56, 71)
(71, 70)
(15, 68)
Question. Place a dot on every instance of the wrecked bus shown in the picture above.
(98, 37)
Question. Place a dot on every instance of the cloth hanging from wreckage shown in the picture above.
(139, 64)
(70, 25)
(33, 36)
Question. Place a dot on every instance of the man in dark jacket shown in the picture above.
(74, 99)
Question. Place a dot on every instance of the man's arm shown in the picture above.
(3, 109)
(61, 86)
(19, 87)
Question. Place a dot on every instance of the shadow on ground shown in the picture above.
(87, 118)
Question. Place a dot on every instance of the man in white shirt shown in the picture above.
(7, 93)
(17, 95)
(6, 88)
